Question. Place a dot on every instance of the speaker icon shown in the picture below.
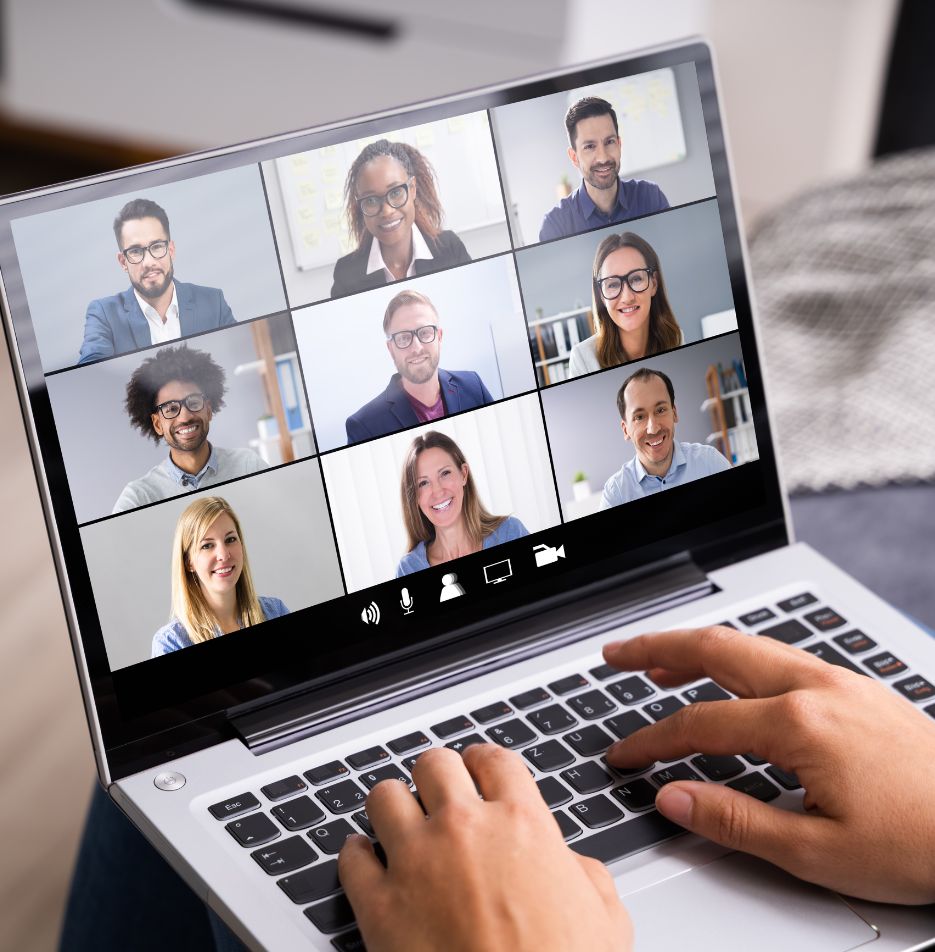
(371, 614)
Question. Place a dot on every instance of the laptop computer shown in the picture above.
(392, 380)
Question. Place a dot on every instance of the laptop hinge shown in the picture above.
(605, 605)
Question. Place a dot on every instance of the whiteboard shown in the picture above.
(312, 185)
(648, 117)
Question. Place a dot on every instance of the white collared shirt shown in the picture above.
(161, 331)
(420, 251)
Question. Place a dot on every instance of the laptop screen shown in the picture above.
(309, 403)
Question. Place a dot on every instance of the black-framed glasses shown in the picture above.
(136, 253)
(403, 339)
(172, 408)
(396, 197)
(638, 279)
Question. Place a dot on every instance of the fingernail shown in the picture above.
(676, 805)
(612, 645)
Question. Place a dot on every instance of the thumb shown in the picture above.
(741, 822)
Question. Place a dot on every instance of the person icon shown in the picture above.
(451, 588)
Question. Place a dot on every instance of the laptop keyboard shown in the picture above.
(294, 827)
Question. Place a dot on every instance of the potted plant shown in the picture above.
(580, 486)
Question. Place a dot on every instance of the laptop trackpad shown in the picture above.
(741, 903)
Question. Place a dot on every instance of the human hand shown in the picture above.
(476, 874)
(864, 757)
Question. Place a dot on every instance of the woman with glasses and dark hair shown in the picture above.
(212, 588)
(442, 511)
(630, 304)
(395, 216)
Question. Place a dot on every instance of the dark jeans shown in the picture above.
(124, 895)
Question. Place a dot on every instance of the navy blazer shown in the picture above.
(116, 324)
(392, 411)
(350, 272)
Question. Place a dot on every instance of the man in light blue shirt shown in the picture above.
(646, 402)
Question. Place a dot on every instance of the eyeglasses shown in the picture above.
(396, 197)
(403, 339)
(136, 253)
(172, 408)
(638, 280)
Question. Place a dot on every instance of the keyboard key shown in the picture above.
(886, 665)
(825, 619)
(637, 795)
(367, 758)
(727, 624)
(567, 825)
(930, 710)
(596, 812)
(789, 632)
(755, 785)
(757, 617)
(591, 705)
(530, 698)
(754, 760)
(253, 830)
(298, 814)
(589, 741)
(492, 712)
(631, 690)
(332, 915)
(709, 691)
(283, 788)
(587, 777)
(553, 792)
(627, 723)
(915, 688)
(330, 837)
(226, 809)
(363, 821)
(675, 772)
(797, 601)
(602, 672)
(292, 853)
(313, 883)
(511, 734)
(854, 642)
(410, 762)
(462, 743)
(789, 780)
(408, 743)
(624, 839)
(342, 797)
(574, 682)
(833, 656)
(552, 719)
(663, 708)
(721, 767)
(327, 773)
(387, 772)
(349, 942)
(550, 755)
(454, 725)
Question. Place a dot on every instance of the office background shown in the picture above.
(93, 425)
(129, 558)
(343, 347)
(505, 448)
(222, 236)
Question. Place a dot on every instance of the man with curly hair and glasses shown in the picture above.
(156, 308)
(172, 396)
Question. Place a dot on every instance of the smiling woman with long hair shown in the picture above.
(212, 588)
(395, 216)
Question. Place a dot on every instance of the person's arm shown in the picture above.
(865, 757)
(98, 341)
(227, 316)
(355, 430)
(484, 392)
(475, 874)
(550, 228)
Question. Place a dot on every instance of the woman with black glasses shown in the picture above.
(630, 304)
(395, 216)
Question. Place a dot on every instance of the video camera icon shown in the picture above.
(547, 554)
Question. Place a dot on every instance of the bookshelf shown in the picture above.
(551, 339)
(728, 404)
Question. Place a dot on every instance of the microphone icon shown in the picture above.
(405, 601)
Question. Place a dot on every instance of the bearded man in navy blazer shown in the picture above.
(155, 308)
(420, 391)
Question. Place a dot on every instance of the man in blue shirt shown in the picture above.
(602, 198)
(646, 402)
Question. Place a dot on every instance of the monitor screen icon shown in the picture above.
(498, 572)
